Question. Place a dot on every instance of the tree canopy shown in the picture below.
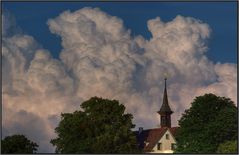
(101, 127)
(210, 121)
(18, 144)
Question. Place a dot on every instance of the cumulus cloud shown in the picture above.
(32, 82)
(9, 26)
(101, 58)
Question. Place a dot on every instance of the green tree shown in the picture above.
(101, 127)
(18, 144)
(211, 120)
(228, 147)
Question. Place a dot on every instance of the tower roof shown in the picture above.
(165, 106)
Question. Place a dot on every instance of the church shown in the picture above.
(159, 140)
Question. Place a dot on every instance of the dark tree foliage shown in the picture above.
(210, 121)
(18, 144)
(102, 127)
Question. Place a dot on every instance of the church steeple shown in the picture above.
(165, 110)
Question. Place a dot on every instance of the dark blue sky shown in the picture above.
(221, 17)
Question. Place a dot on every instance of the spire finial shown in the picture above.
(165, 76)
(165, 79)
(165, 82)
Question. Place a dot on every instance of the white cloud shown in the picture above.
(100, 58)
(9, 26)
(35, 87)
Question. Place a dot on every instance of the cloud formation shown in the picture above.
(101, 58)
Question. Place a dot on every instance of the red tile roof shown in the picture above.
(173, 130)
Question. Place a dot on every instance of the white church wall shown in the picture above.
(165, 144)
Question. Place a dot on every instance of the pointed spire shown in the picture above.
(165, 106)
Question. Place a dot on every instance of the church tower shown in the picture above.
(165, 111)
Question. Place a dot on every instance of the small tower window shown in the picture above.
(159, 146)
(167, 136)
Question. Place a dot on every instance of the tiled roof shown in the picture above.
(173, 130)
(152, 136)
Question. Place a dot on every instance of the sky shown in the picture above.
(55, 55)
(32, 17)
